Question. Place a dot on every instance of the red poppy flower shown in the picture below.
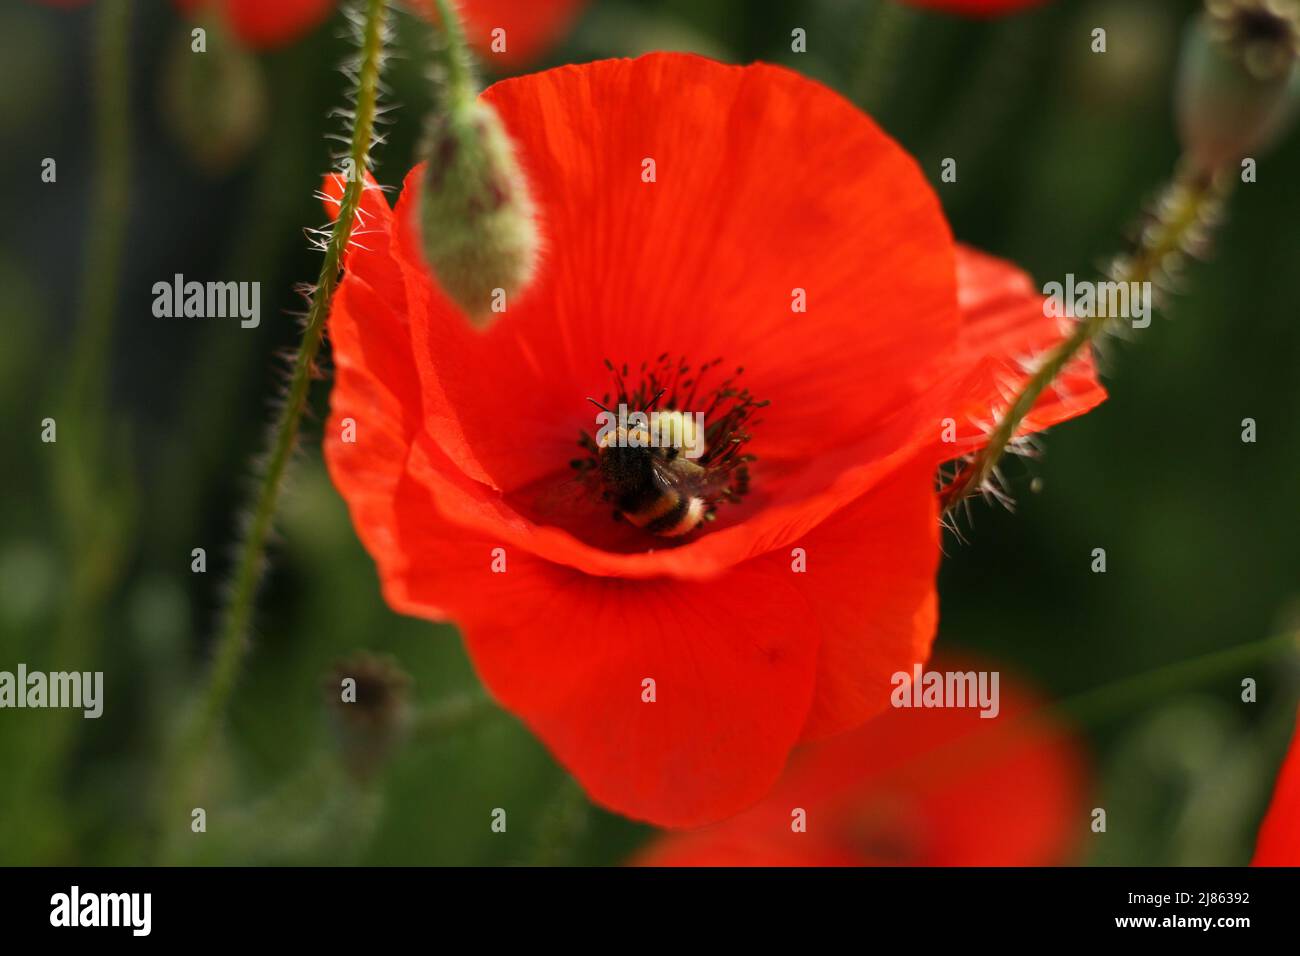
(530, 25)
(261, 24)
(914, 787)
(1279, 836)
(785, 619)
(976, 8)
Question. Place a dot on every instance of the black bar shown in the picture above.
(441, 906)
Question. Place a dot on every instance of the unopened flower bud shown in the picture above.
(476, 214)
(1238, 82)
(214, 102)
(369, 701)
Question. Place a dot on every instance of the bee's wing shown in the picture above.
(682, 477)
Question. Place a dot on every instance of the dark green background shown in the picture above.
(1058, 149)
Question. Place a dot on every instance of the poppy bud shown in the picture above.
(476, 214)
(1238, 81)
(369, 702)
(214, 100)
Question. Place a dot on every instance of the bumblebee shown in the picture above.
(667, 472)
(655, 487)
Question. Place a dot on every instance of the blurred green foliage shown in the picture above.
(1058, 150)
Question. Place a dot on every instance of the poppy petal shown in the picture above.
(375, 403)
(927, 787)
(263, 24)
(856, 614)
(706, 260)
(870, 582)
(1002, 321)
(1005, 330)
(473, 383)
(1279, 836)
(976, 8)
(570, 654)
(530, 26)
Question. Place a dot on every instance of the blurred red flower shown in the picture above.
(936, 787)
(768, 186)
(262, 24)
(531, 25)
(976, 8)
(1279, 835)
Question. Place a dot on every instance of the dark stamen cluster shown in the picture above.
(668, 385)
(1263, 34)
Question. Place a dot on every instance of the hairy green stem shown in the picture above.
(232, 640)
(454, 55)
(1179, 215)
